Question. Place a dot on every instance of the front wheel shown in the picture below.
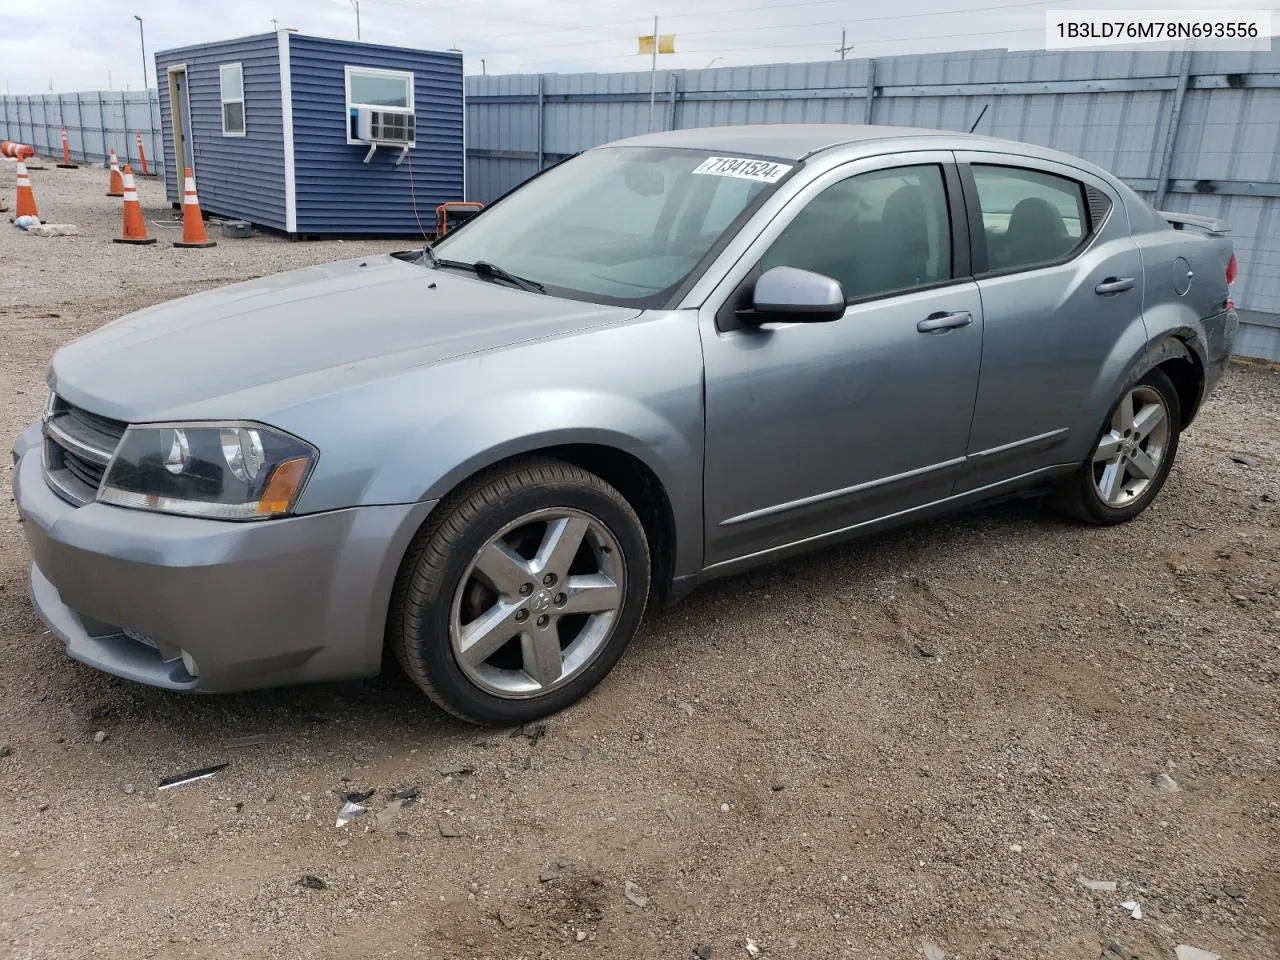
(521, 593)
(1132, 458)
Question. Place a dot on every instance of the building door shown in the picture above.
(180, 110)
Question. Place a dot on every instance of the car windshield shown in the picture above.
(620, 225)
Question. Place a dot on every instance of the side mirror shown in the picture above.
(790, 295)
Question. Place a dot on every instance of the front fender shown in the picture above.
(499, 430)
(436, 459)
(636, 388)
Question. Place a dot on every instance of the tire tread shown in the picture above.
(417, 587)
(1074, 496)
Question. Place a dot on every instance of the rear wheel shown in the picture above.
(522, 593)
(1132, 458)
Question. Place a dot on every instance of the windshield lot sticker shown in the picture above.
(761, 171)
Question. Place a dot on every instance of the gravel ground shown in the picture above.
(924, 738)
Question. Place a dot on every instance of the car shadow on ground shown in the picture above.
(390, 709)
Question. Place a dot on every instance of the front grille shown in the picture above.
(90, 474)
(78, 446)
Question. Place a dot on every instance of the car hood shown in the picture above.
(312, 330)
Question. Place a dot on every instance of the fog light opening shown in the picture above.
(189, 662)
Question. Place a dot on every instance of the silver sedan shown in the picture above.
(667, 359)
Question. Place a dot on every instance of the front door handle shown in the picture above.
(1114, 285)
(938, 322)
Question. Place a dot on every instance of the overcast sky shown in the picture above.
(81, 44)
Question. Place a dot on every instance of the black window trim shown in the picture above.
(961, 254)
(977, 231)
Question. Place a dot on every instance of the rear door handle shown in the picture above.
(937, 322)
(1113, 285)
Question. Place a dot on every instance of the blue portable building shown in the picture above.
(312, 136)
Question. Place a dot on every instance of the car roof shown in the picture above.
(795, 141)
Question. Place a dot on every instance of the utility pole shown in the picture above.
(143, 41)
(274, 24)
(356, 4)
(844, 48)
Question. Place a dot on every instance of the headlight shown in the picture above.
(222, 471)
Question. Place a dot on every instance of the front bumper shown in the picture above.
(259, 604)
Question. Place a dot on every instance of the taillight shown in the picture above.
(1232, 269)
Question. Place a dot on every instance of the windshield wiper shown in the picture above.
(492, 271)
(486, 271)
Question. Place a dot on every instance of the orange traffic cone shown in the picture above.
(116, 189)
(193, 234)
(135, 226)
(66, 163)
(16, 151)
(26, 198)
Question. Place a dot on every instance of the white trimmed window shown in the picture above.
(387, 91)
(231, 82)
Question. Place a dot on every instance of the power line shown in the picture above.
(798, 26)
(739, 9)
(784, 46)
(772, 6)
(488, 14)
(823, 43)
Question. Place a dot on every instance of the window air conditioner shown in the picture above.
(383, 126)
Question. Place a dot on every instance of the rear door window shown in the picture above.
(1030, 218)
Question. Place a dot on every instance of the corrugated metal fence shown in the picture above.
(1198, 133)
(95, 123)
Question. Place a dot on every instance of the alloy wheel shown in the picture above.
(1128, 457)
(537, 603)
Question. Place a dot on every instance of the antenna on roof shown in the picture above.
(979, 120)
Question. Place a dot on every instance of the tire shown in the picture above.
(1112, 485)
(492, 566)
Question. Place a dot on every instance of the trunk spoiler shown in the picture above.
(1211, 225)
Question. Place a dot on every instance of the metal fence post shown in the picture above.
(671, 105)
(1171, 133)
(541, 125)
(869, 102)
(84, 140)
(102, 119)
(124, 124)
(157, 148)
